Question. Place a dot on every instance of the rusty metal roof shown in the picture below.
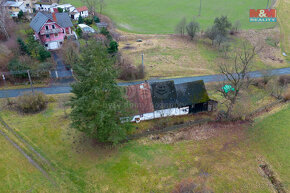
(140, 97)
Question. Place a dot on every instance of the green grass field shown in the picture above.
(270, 139)
(227, 160)
(161, 17)
(17, 174)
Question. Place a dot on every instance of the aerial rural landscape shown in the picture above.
(177, 96)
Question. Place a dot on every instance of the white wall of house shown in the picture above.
(67, 7)
(44, 7)
(77, 14)
(161, 113)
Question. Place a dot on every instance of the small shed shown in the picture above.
(102, 25)
(194, 95)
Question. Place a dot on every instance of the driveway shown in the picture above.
(61, 89)
(61, 71)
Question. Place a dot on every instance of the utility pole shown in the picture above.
(4, 79)
(199, 8)
(30, 81)
(142, 62)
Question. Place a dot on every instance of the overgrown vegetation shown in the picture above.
(31, 102)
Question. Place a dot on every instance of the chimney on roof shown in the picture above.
(54, 16)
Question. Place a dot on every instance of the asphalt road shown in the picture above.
(61, 89)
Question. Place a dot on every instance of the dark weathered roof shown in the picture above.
(41, 18)
(163, 95)
(140, 97)
(191, 93)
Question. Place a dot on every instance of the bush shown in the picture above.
(286, 95)
(88, 21)
(31, 103)
(223, 25)
(43, 54)
(16, 65)
(283, 80)
(80, 20)
(104, 31)
(272, 41)
(20, 14)
(23, 47)
(192, 28)
(236, 27)
(128, 71)
(79, 32)
(96, 19)
(113, 47)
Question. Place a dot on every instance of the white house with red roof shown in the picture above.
(80, 11)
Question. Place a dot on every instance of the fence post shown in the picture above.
(30, 81)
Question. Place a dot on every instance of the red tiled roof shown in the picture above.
(140, 96)
(83, 8)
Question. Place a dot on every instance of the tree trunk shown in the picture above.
(2, 25)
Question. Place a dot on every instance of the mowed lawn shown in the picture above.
(226, 162)
(161, 16)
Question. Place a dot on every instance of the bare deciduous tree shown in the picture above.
(192, 28)
(70, 52)
(181, 27)
(92, 6)
(236, 75)
(3, 19)
(102, 5)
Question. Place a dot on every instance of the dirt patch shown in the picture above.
(204, 132)
(269, 54)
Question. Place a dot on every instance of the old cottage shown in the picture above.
(164, 99)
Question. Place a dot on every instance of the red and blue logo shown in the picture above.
(263, 15)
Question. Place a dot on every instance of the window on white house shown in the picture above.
(53, 27)
(56, 35)
(46, 45)
(46, 27)
(47, 36)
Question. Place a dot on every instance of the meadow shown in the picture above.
(223, 158)
(161, 17)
